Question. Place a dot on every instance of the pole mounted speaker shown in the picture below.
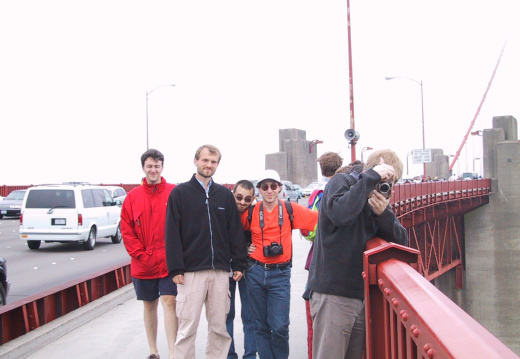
(351, 135)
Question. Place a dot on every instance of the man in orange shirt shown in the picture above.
(268, 273)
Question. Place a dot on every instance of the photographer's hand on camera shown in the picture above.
(378, 202)
(385, 171)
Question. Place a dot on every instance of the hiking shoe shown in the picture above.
(153, 356)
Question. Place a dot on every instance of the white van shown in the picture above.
(69, 212)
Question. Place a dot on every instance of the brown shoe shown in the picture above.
(153, 356)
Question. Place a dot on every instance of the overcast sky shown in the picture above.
(74, 76)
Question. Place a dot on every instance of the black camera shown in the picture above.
(272, 250)
(385, 188)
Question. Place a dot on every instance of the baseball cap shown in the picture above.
(269, 174)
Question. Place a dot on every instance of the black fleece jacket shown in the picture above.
(345, 223)
(203, 232)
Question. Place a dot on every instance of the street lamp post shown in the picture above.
(363, 150)
(475, 158)
(407, 157)
(422, 114)
(147, 93)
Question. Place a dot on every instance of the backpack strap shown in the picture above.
(288, 207)
(250, 213)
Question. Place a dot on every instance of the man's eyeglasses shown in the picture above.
(265, 186)
(246, 199)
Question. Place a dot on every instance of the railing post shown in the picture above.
(376, 310)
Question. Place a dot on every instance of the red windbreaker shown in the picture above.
(143, 218)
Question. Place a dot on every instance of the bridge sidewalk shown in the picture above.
(118, 333)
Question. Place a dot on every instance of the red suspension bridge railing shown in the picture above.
(408, 317)
(25, 315)
(433, 214)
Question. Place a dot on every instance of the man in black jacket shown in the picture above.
(352, 211)
(203, 237)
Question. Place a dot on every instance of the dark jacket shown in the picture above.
(203, 232)
(346, 222)
(142, 226)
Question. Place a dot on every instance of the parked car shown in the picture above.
(69, 212)
(4, 282)
(118, 194)
(292, 193)
(12, 204)
(298, 189)
(307, 191)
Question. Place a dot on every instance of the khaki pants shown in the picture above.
(338, 327)
(209, 287)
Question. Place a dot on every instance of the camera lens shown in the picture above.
(384, 188)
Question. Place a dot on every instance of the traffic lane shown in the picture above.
(34, 271)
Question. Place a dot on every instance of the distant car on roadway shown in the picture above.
(292, 193)
(298, 189)
(307, 191)
(4, 282)
(118, 194)
(12, 204)
(69, 212)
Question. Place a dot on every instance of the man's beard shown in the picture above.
(201, 173)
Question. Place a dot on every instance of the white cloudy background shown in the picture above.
(74, 75)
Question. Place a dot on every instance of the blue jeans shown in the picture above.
(247, 321)
(270, 296)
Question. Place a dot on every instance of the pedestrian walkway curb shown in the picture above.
(23, 346)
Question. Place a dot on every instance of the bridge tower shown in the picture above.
(492, 239)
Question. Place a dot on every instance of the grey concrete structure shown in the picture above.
(510, 126)
(296, 159)
(278, 161)
(492, 137)
(492, 242)
(439, 167)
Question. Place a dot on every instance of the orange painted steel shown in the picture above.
(407, 317)
(433, 214)
(25, 315)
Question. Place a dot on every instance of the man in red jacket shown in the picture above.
(143, 219)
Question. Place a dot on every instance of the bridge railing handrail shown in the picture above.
(408, 317)
(408, 197)
(21, 317)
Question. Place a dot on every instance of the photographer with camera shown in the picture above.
(268, 273)
(353, 210)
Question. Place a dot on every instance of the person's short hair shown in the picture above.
(247, 185)
(329, 163)
(356, 166)
(154, 154)
(390, 158)
(212, 149)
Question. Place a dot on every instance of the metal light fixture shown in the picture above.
(422, 114)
